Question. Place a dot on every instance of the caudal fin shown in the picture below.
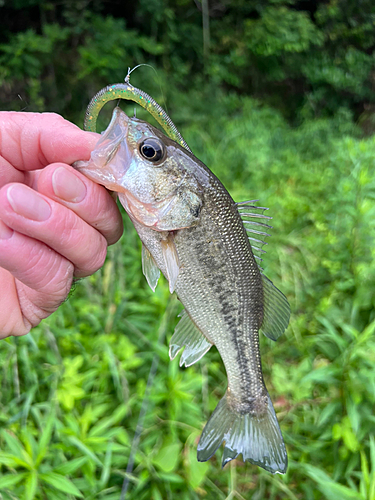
(258, 439)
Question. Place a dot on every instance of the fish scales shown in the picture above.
(230, 284)
(192, 231)
(220, 286)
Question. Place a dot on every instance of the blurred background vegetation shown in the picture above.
(277, 98)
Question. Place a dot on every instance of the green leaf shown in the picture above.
(8, 459)
(350, 440)
(104, 423)
(336, 432)
(81, 446)
(330, 489)
(365, 471)
(156, 495)
(107, 466)
(71, 466)
(61, 483)
(18, 450)
(11, 479)
(31, 485)
(29, 442)
(171, 478)
(197, 470)
(167, 457)
(371, 493)
(13, 443)
(46, 436)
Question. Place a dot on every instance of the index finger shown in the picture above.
(30, 141)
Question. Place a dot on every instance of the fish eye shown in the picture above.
(152, 149)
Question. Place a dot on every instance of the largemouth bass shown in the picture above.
(193, 232)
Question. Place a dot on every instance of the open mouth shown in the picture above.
(111, 157)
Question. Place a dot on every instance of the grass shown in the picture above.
(72, 390)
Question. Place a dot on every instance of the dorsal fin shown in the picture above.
(248, 212)
(276, 311)
(276, 307)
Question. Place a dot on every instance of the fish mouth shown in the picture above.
(111, 156)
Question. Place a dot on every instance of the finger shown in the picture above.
(9, 174)
(12, 322)
(32, 214)
(30, 141)
(45, 278)
(87, 199)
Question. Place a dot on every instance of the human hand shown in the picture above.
(55, 224)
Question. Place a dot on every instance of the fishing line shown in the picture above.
(22, 99)
(130, 71)
(146, 399)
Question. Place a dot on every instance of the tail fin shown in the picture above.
(259, 439)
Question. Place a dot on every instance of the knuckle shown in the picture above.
(82, 244)
(60, 284)
(72, 230)
(94, 260)
(49, 271)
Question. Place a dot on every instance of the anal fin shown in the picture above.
(189, 336)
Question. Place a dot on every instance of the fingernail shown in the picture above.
(28, 203)
(5, 231)
(67, 186)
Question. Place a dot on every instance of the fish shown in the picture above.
(206, 246)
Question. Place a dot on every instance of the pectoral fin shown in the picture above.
(171, 261)
(187, 335)
(149, 268)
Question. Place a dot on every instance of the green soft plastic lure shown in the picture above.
(128, 92)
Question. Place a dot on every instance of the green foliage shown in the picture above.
(72, 390)
(281, 30)
(308, 59)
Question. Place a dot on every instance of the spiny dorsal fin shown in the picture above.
(276, 312)
(248, 212)
(187, 335)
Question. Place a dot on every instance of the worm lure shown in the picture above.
(128, 92)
